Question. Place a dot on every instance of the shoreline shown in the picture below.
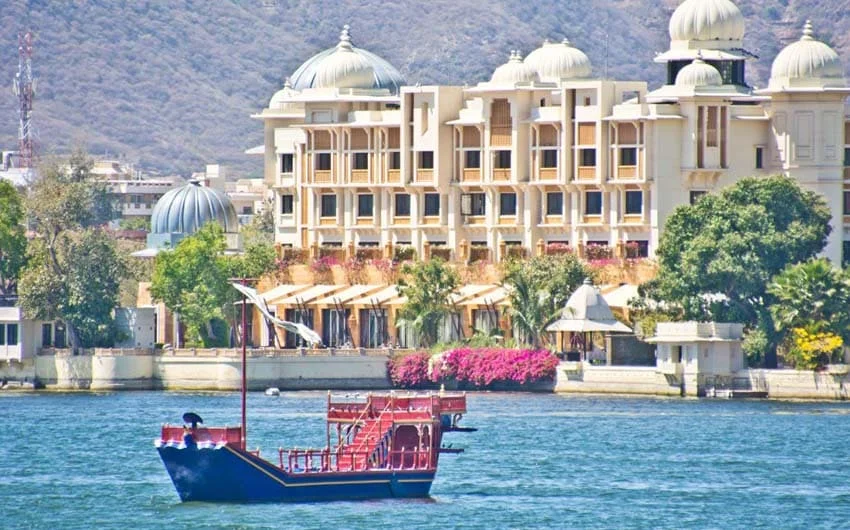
(221, 373)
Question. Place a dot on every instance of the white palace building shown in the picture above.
(542, 153)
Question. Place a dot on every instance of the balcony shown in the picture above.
(847, 173)
(471, 174)
(627, 172)
(553, 219)
(327, 221)
(365, 221)
(478, 253)
(592, 219)
(424, 175)
(399, 220)
(475, 219)
(633, 219)
(507, 220)
(431, 220)
(285, 180)
(286, 219)
(359, 176)
(501, 174)
(586, 173)
(547, 173)
(394, 176)
(322, 176)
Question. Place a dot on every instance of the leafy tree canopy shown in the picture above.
(13, 242)
(717, 257)
(74, 270)
(193, 280)
(427, 286)
(539, 288)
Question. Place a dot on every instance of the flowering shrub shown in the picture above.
(558, 248)
(811, 350)
(323, 264)
(386, 267)
(410, 371)
(482, 367)
(405, 253)
(353, 267)
(596, 252)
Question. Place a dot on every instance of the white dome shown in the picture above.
(344, 68)
(807, 59)
(514, 71)
(281, 97)
(707, 20)
(554, 61)
(698, 74)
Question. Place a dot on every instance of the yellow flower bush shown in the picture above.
(811, 349)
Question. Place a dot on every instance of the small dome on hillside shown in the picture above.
(186, 209)
(514, 71)
(809, 61)
(383, 75)
(698, 74)
(707, 20)
(554, 61)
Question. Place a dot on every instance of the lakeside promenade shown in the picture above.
(360, 368)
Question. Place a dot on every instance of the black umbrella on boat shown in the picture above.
(193, 419)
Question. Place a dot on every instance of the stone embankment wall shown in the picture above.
(212, 370)
(642, 380)
(576, 377)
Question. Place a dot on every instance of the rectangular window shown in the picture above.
(46, 335)
(502, 159)
(587, 157)
(628, 156)
(426, 159)
(554, 203)
(847, 155)
(329, 205)
(402, 205)
(395, 160)
(593, 203)
(846, 202)
(287, 162)
(637, 249)
(323, 162)
(59, 335)
(432, 204)
(696, 195)
(287, 204)
(711, 127)
(845, 253)
(472, 159)
(2, 334)
(507, 204)
(12, 334)
(549, 158)
(759, 157)
(478, 204)
(360, 161)
(365, 205)
(634, 202)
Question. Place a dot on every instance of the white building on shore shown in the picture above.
(543, 152)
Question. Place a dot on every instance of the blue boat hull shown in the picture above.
(227, 474)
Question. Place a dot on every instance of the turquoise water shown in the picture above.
(538, 461)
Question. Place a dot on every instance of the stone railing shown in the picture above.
(98, 352)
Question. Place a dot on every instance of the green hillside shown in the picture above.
(170, 84)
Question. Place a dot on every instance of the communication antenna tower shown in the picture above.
(24, 87)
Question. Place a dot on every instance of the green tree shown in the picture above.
(192, 280)
(717, 257)
(813, 295)
(13, 241)
(74, 269)
(539, 289)
(427, 286)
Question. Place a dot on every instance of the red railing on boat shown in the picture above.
(216, 435)
(326, 461)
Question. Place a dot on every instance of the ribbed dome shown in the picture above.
(514, 71)
(807, 59)
(383, 76)
(698, 74)
(554, 61)
(707, 20)
(185, 210)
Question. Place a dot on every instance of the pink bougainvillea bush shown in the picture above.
(410, 371)
(482, 367)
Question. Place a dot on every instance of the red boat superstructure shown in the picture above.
(386, 445)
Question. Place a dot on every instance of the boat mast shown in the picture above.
(244, 370)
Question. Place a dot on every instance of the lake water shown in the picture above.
(538, 461)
